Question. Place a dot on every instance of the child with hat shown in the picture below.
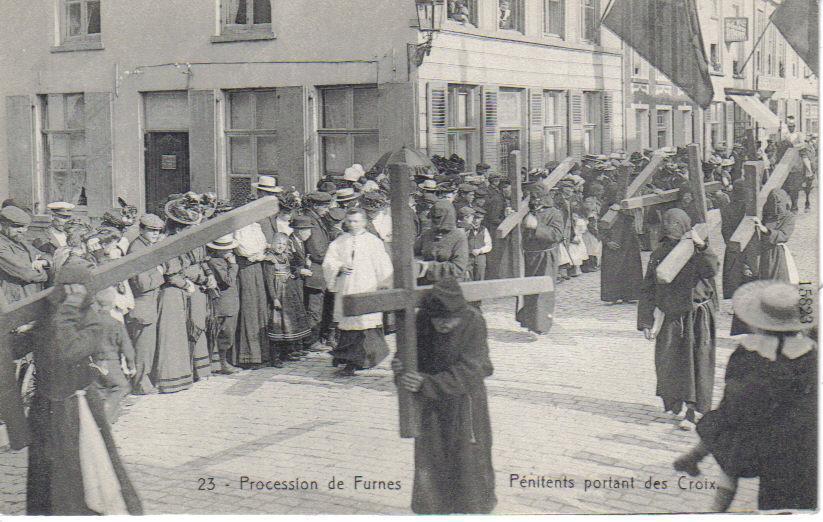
(225, 303)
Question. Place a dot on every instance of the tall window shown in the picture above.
(688, 128)
(463, 11)
(348, 128)
(714, 58)
(241, 16)
(250, 138)
(554, 126)
(640, 68)
(590, 18)
(642, 128)
(463, 118)
(554, 17)
(81, 20)
(592, 123)
(664, 123)
(511, 14)
(64, 142)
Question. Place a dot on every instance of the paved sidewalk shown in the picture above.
(577, 404)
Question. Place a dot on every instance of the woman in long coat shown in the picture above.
(621, 270)
(453, 470)
(684, 353)
(74, 467)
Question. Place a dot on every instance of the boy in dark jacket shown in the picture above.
(225, 305)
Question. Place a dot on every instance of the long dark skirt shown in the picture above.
(290, 323)
(172, 371)
(361, 348)
(253, 317)
(55, 481)
(684, 356)
(453, 470)
(537, 313)
(621, 270)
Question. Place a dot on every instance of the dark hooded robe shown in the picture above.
(735, 264)
(452, 454)
(684, 352)
(621, 269)
(541, 257)
(765, 426)
(444, 245)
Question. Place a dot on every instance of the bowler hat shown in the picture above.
(769, 305)
(302, 222)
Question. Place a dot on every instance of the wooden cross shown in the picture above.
(634, 187)
(35, 307)
(406, 296)
(745, 230)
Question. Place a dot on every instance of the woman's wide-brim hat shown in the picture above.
(227, 242)
(773, 306)
(176, 210)
(267, 184)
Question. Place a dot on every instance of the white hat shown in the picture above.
(370, 186)
(346, 194)
(227, 242)
(428, 185)
(353, 173)
(267, 184)
(61, 208)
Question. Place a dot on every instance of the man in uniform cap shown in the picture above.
(142, 320)
(465, 196)
(22, 267)
(61, 214)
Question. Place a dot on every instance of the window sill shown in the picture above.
(78, 46)
(243, 37)
(716, 73)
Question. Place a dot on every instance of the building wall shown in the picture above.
(316, 43)
(493, 59)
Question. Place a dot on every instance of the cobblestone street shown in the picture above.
(578, 403)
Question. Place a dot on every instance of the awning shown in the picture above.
(757, 110)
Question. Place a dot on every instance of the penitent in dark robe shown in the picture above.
(621, 269)
(452, 454)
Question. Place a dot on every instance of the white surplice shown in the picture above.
(372, 270)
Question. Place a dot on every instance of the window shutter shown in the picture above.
(491, 136)
(290, 140)
(99, 182)
(576, 123)
(678, 138)
(563, 121)
(730, 124)
(536, 118)
(608, 121)
(20, 152)
(438, 118)
(202, 158)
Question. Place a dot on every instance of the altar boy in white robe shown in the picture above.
(357, 262)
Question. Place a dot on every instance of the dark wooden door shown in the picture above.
(167, 167)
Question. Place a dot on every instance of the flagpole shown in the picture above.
(754, 48)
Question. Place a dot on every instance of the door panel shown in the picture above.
(167, 167)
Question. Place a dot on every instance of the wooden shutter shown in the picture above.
(563, 121)
(99, 181)
(202, 153)
(491, 134)
(576, 123)
(20, 148)
(438, 105)
(678, 125)
(290, 140)
(536, 119)
(608, 121)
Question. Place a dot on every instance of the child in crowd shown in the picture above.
(289, 324)
(225, 302)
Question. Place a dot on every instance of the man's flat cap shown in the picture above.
(15, 216)
(151, 221)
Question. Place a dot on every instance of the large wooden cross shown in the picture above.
(754, 169)
(634, 187)
(406, 296)
(35, 307)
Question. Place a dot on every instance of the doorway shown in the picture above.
(167, 167)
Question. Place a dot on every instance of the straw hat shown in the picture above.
(773, 306)
(267, 184)
(61, 208)
(347, 194)
(227, 242)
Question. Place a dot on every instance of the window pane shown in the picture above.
(554, 17)
(462, 110)
(262, 11)
(75, 112)
(508, 109)
(335, 154)
(240, 155)
(550, 109)
(93, 13)
(265, 109)
(266, 155)
(59, 151)
(366, 150)
(240, 106)
(66, 185)
(365, 108)
(55, 104)
(550, 145)
(77, 145)
(336, 109)
(236, 12)
(461, 144)
(74, 19)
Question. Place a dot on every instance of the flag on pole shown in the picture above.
(667, 34)
(797, 22)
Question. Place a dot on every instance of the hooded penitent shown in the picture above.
(778, 206)
(443, 216)
(676, 223)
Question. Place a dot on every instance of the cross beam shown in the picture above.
(666, 196)
(405, 297)
(634, 187)
(34, 307)
(743, 234)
